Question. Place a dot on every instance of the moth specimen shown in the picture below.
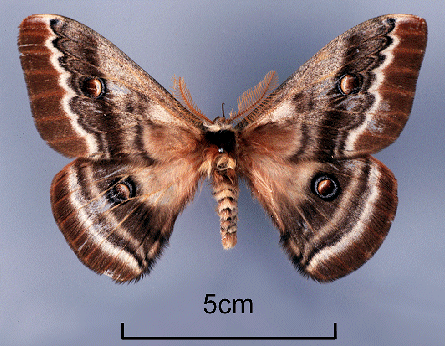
(303, 148)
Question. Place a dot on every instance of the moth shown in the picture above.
(304, 148)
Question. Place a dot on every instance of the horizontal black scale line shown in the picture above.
(123, 337)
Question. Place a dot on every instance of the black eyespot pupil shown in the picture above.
(93, 87)
(326, 187)
(121, 190)
(349, 84)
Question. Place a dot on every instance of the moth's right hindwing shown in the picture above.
(335, 216)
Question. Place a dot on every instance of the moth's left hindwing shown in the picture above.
(305, 150)
(140, 148)
(117, 215)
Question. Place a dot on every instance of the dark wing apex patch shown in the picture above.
(392, 85)
(45, 91)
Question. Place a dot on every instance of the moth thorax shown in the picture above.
(222, 138)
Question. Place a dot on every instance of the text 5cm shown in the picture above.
(226, 305)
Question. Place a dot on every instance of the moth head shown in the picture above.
(220, 123)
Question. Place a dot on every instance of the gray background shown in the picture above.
(221, 48)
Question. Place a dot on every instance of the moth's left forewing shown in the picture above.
(88, 98)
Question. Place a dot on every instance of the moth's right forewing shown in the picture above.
(354, 96)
